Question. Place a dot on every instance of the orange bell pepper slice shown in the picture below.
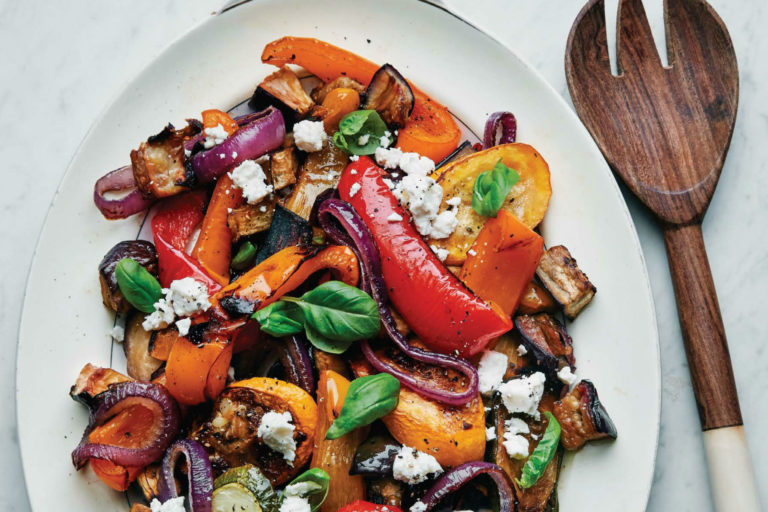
(213, 118)
(430, 130)
(196, 373)
(502, 261)
(116, 477)
(213, 249)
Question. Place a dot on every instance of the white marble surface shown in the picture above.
(63, 61)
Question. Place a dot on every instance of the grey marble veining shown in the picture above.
(63, 61)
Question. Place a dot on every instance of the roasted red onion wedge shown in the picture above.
(154, 438)
(499, 120)
(582, 417)
(453, 480)
(119, 181)
(390, 95)
(199, 474)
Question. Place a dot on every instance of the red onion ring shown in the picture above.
(453, 480)
(297, 364)
(358, 238)
(508, 124)
(264, 132)
(199, 472)
(116, 399)
(117, 181)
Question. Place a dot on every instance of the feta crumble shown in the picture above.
(309, 135)
(444, 224)
(354, 189)
(353, 158)
(419, 506)
(394, 217)
(413, 163)
(384, 141)
(413, 467)
(249, 176)
(295, 504)
(363, 139)
(388, 182)
(183, 326)
(566, 376)
(472, 252)
(299, 489)
(389, 158)
(214, 136)
(521, 350)
(522, 395)
(490, 434)
(441, 254)
(117, 333)
(234, 154)
(422, 196)
(454, 201)
(188, 296)
(491, 369)
(161, 317)
(516, 444)
(276, 431)
(172, 505)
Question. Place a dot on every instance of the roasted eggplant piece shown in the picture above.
(560, 274)
(385, 491)
(464, 149)
(250, 219)
(139, 363)
(159, 165)
(283, 90)
(287, 229)
(321, 171)
(344, 82)
(547, 341)
(93, 380)
(375, 456)
(140, 250)
(389, 94)
(582, 417)
(284, 166)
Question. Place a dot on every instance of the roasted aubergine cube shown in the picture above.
(389, 94)
(560, 274)
(284, 166)
(142, 252)
(283, 90)
(547, 341)
(159, 165)
(582, 417)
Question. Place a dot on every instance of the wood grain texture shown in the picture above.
(666, 132)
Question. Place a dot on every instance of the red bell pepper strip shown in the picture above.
(173, 224)
(443, 312)
(365, 506)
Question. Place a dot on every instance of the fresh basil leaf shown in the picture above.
(139, 287)
(244, 257)
(280, 319)
(542, 454)
(368, 399)
(360, 132)
(340, 141)
(352, 123)
(311, 485)
(491, 189)
(339, 311)
(326, 345)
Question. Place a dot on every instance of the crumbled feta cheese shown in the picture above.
(188, 296)
(419, 506)
(222, 155)
(363, 139)
(354, 189)
(214, 136)
(413, 163)
(444, 224)
(394, 174)
(454, 201)
(384, 141)
(422, 196)
(183, 326)
(300, 489)
(441, 254)
(522, 395)
(491, 369)
(389, 158)
(172, 505)
(413, 467)
(231, 373)
(276, 431)
(249, 176)
(353, 158)
(187, 153)
(309, 135)
(567, 376)
(521, 350)
(516, 444)
(490, 434)
(388, 182)
(117, 333)
(472, 252)
(295, 504)
(394, 217)
(161, 317)
(262, 209)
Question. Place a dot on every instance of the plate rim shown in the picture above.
(541, 81)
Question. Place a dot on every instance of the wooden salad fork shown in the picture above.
(666, 132)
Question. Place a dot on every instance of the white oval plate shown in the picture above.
(217, 64)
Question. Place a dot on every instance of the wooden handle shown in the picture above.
(702, 326)
(730, 470)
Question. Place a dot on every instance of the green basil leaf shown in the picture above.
(491, 189)
(352, 123)
(326, 345)
(311, 485)
(368, 399)
(280, 319)
(339, 312)
(139, 287)
(340, 141)
(542, 454)
(244, 257)
(360, 132)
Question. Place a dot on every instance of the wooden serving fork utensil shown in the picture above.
(666, 132)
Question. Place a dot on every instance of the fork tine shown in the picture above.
(587, 43)
(635, 45)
